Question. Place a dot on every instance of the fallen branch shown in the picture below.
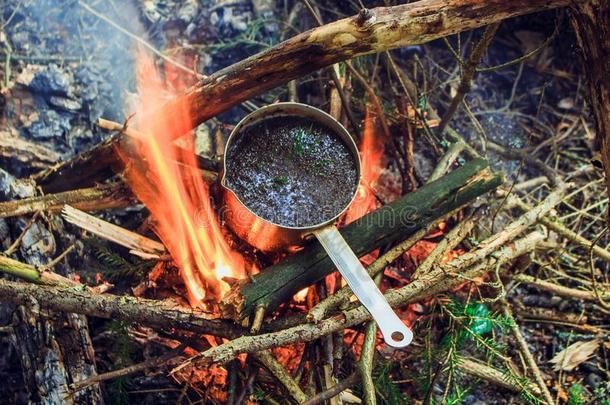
(556, 225)
(334, 390)
(270, 362)
(106, 196)
(470, 68)
(559, 289)
(32, 274)
(370, 31)
(529, 358)
(156, 314)
(487, 373)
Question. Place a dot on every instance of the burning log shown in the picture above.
(370, 31)
(402, 218)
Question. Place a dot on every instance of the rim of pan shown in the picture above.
(291, 109)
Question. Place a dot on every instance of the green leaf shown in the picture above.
(422, 103)
(480, 314)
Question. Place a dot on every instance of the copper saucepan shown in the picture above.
(268, 236)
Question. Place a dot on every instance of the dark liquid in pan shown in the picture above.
(291, 171)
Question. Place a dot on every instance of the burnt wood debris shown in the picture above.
(480, 201)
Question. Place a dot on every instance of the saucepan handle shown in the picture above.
(394, 331)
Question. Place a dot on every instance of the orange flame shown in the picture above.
(371, 150)
(166, 179)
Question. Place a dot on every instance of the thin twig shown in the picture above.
(469, 70)
(271, 363)
(367, 355)
(134, 368)
(529, 358)
(599, 296)
(335, 390)
(15, 245)
(449, 242)
(557, 225)
(561, 290)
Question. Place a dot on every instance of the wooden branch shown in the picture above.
(487, 373)
(270, 362)
(113, 195)
(470, 68)
(591, 21)
(335, 390)
(560, 290)
(556, 225)
(529, 358)
(137, 244)
(370, 31)
(156, 314)
(32, 274)
(396, 221)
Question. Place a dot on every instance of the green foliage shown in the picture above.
(602, 395)
(280, 181)
(522, 382)
(575, 395)
(116, 267)
(457, 395)
(388, 392)
(422, 103)
(123, 350)
(471, 327)
(118, 390)
(252, 37)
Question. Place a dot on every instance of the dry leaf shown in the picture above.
(347, 397)
(575, 354)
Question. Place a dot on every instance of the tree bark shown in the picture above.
(591, 21)
(398, 220)
(370, 31)
(55, 349)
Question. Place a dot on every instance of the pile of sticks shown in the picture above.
(76, 184)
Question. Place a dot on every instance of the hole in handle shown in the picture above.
(399, 338)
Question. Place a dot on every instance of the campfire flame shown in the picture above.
(164, 176)
(371, 149)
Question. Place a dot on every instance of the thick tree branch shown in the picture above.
(157, 314)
